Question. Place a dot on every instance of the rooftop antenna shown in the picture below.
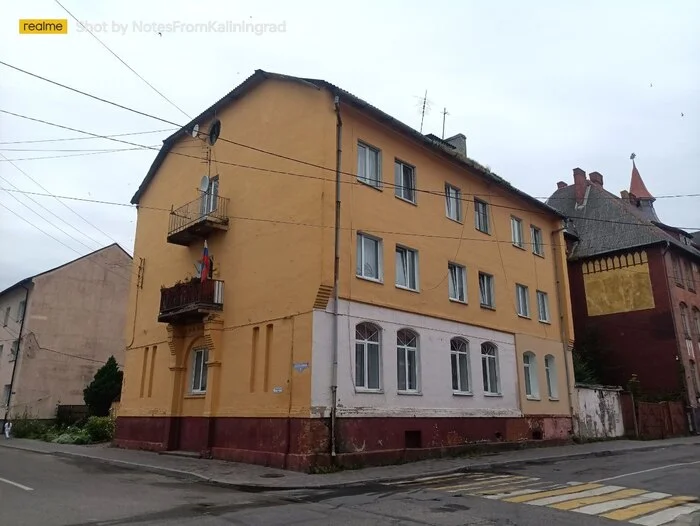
(444, 114)
(424, 107)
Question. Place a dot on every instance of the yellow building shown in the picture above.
(451, 322)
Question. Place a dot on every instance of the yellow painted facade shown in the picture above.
(277, 257)
(618, 284)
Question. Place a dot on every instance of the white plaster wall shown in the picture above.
(435, 380)
(599, 413)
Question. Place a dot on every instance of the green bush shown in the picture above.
(100, 428)
(75, 436)
(25, 426)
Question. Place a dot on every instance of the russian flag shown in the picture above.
(206, 263)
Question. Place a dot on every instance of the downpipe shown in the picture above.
(336, 277)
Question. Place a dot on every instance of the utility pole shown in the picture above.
(444, 114)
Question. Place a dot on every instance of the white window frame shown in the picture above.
(7, 317)
(532, 386)
(689, 277)
(550, 370)
(360, 258)
(543, 307)
(459, 359)
(489, 362)
(363, 159)
(453, 202)
(198, 381)
(456, 279)
(522, 300)
(537, 242)
(405, 349)
(363, 342)
(406, 193)
(408, 259)
(696, 316)
(482, 222)
(516, 231)
(685, 322)
(487, 291)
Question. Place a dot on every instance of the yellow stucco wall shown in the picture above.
(272, 268)
(618, 284)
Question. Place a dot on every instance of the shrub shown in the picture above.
(76, 436)
(104, 389)
(25, 426)
(100, 428)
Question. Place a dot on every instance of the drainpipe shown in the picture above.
(19, 346)
(336, 274)
(562, 331)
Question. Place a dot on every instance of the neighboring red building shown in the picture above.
(634, 284)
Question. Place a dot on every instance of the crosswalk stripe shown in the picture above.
(662, 517)
(562, 498)
(511, 487)
(648, 507)
(470, 484)
(578, 503)
(595, 509)
(507, 485)
(548, 486)
(553, 493)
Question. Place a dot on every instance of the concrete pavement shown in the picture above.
(246, 476)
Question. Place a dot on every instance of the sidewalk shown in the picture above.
(250, 477)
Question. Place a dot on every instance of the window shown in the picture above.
(210, 197)
(550, 371)
(1, 348)
(543, 306)
(486, 292)
(407, 360)
(453, 202)
(516, 229)
(405, 179)
(20, 311)
(7, 317)
(677, 271)
(199, 370)
(537, 245)
(406, 268)
(689, 277)
(368, 165)
(489, 368)
(6, 395)
(14, 350)
(696, 315)
(532, 389)
(459, 356)
(522, 300)
(369, 257)
(367, 356)
(458, 282)
(481, 216)
(684, 320)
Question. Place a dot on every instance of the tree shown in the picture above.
(104, 389)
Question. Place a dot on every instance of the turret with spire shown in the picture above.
(642, 196)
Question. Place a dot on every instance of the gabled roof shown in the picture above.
(30, 279)
(447, 151)
(606, 223)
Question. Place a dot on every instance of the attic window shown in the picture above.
(686, 240)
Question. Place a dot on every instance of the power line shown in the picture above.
(87, 138)
(123, 62)
(44, 157)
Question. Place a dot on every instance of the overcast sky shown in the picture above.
(536, 90)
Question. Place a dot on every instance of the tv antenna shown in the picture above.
(444, 114)
(424, 107)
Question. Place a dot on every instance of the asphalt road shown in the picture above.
(52, 491)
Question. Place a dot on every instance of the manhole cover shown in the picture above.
(271, 476)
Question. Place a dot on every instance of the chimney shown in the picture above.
(561, 184)
(459, 141)
(625, 195)
(580, 184)
(596, 178)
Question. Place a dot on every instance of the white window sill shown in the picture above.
(458, 221)
(488, 307)
(409, 393)
(546, 322)
(373, 280)
(538, 254)
(409, 289)
(366, 390)
(405, 200)
(533, 398)
(551, 399)
(377, 186)
(197, 394)
(487, 232)
(462, 393)
(495, 395)
(524, 316)
(521, 247)
(455, 300)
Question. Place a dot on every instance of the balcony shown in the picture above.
(197, 219)
(190, 302)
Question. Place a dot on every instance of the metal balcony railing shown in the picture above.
(190, 301)
(198, 218)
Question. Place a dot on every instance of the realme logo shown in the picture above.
(44, 26)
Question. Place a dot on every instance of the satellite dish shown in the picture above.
(204, 184)
(214, 132)
(195, 130)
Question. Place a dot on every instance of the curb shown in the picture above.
(260, 487)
